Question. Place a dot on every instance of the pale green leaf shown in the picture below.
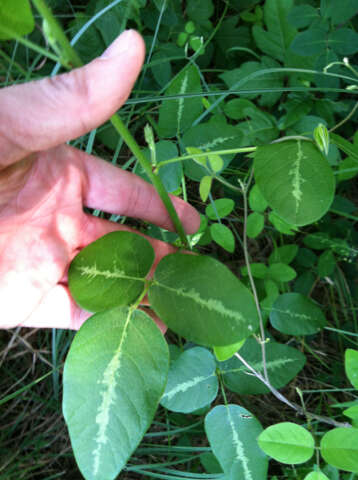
(339, 447)
(192, 381)
(287, 443)
(220, 208)
(351, 366)
(257, 203)
(110, 271)
(284, 254)
(227, 351)
(255, 224)
(316, 476)
(114, 376)
(200, 299)
(205, 187)
(281, 272)
(223, 236)
(16, 19)
(232, 432)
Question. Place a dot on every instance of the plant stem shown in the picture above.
(68, 52)
(71, 59)
(283, 399)
(251, 279)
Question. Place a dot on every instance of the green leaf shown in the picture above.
(344, 41)
(200, 10)
(339, 447)
(114, 376)
(280, 224)
(351, 412)
(207, 137)
(232, 432)
(340, 11)
(175, 116)
(200, 299)
(310, 42)
(247, 77)
(223, 236)
(257, 203)
(192, 381)
(16, 18)
(295, 314)
(281, 272)
(302, 16)
(220, 208)
(283, 364)
(295, 179)
(316, 476)
(351, 366)
(258, 270)
(236, 108)
(216, 163)
(205, 187)
(276, 40)
(227, 351)
(170, 174)
(255, 224)
(287, 443)
(110, 271)
(259, 127)
(326, 264)
(284, 254)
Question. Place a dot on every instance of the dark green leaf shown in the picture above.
(110, 271)
(114, 376)
(310, 42)
(177, 115)
(200, 299)
(326, 264)
(296, 180)
(295, 314)
(283, 364)
(302, 16)
(276, 40)
(232, 432)
(192, 381)
(344, 41)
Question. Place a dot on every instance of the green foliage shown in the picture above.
(232, 432)
(287, 442)
(295, 314)
(183, 298)
(296, 180)
(114, 377)
(109, 272)
(253, 120)
(192, 381)
(16, 18)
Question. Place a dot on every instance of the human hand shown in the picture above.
(44, 185)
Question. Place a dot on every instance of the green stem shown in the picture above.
(205, 154)
(29, 44)
(73, 60)
(12, 62)
(68, 52)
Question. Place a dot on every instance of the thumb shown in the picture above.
(43, 114)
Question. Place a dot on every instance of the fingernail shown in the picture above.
(121, 45)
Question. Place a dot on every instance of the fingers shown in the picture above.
(113, 190)
(42, 114)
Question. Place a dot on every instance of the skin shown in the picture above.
(44, 185)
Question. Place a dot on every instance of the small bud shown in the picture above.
(321, 137)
